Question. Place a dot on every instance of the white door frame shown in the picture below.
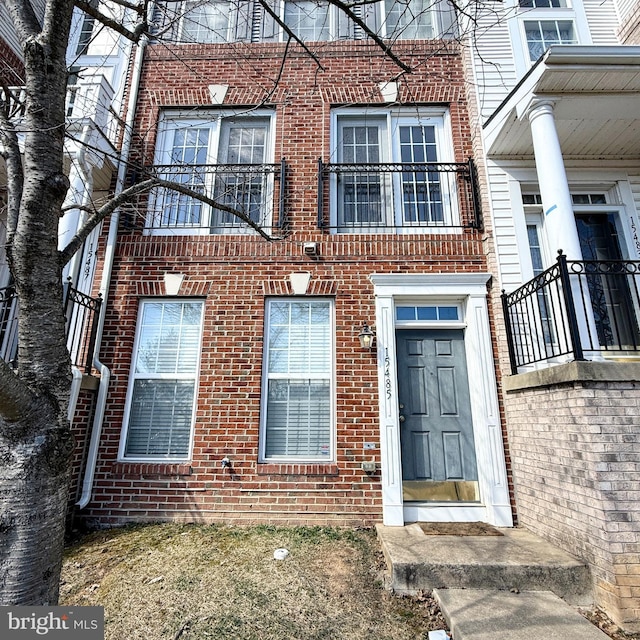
(470, 291)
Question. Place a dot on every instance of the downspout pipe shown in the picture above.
(109, 256)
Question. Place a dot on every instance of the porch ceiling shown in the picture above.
(596, 91)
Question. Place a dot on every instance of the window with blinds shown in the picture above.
(166, 358)
(298, 386)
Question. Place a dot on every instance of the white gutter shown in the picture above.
(109, 254)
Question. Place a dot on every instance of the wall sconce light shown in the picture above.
(366, 336)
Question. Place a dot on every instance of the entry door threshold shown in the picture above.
(444, 512)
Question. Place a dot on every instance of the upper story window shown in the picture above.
(210, 21)
(308, 19)
(86, 31)
(541, 34)
(410, 20)
(544, 23)
(393, 172)
(225, 157)
(542, 4)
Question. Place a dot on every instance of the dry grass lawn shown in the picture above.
(191, 582)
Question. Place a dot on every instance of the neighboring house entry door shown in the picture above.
(436, 431)
(613, 308)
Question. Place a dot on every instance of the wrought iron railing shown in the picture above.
(256, 191)
(575, 310)
(388, 197)
(82, 312)
(8, 325)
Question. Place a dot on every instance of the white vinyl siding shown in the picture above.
(603, 21)
(298, 381)
(162, 392)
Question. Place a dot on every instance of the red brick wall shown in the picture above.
(11, 67)
(236, 274)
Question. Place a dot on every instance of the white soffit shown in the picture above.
(596, 93)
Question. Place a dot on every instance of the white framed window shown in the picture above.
(224, 156)
(86, 31)
(210, 21)
(371, 198)
(541, 34)
(410, 314)
(542, 4)
(206, 21)
(161, 399)
(410, 19)
(298, 420)
(310, 20)
(540, 24)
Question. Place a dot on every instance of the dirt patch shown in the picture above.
(458, 529)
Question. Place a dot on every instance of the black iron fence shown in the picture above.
(82, 312)
(379, 197)
(255, 191)
(575, 310)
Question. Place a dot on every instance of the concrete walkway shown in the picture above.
(513, 586)
(478, 614)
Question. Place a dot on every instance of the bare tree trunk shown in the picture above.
(34, 480)
(35, 437)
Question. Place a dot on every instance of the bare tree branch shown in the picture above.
(135, 35)
(289, 32)
(128, 194)
(386, 49)
(140, 8)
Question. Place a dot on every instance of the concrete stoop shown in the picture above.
(516, 560)
(513, 586)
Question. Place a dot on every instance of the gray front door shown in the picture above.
(436, 432)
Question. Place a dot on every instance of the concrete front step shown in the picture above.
(477, 614)
(517, 559)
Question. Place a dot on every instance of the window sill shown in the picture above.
(297, 469)
(151, 469)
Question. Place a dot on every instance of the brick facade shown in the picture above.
(575, 448)
(235, 275)
(11, 67)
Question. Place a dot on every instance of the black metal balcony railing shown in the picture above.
(576, 309)
(257, 191)
(82, 312)
(386, 197)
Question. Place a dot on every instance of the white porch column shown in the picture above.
(559, 222)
